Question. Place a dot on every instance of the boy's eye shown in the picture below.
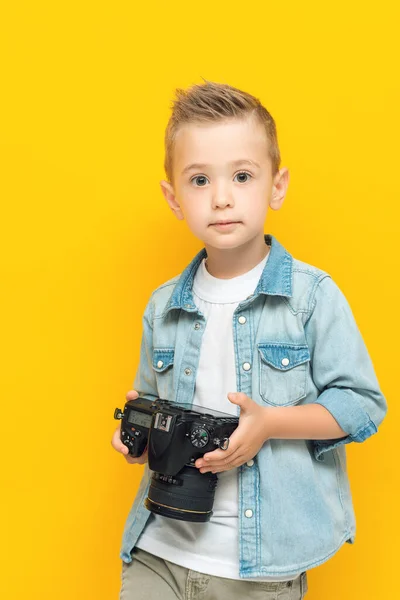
(199, 180)
(242, 177)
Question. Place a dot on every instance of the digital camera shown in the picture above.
(176, 435)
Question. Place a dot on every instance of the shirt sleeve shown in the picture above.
(341, 368)
(145, 380)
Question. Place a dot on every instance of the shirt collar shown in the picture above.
(275, 280)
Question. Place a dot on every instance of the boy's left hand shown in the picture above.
(245, 441)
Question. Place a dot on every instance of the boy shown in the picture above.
(247, 329)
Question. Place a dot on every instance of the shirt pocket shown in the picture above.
(162, 363)
(283, 372)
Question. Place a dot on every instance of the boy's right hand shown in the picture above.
(119, 446)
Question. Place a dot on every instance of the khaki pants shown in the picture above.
(148, 577)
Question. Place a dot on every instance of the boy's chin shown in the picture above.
(226, 242)
(234, 240)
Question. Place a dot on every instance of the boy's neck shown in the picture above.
(226, 264)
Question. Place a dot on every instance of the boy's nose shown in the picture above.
(222, 198)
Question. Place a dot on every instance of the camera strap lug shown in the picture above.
(222, 444)
(118, 414)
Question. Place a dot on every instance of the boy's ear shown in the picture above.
(279, 188)
(169, 195)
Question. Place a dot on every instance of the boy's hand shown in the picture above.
(119, 446)
(245, 441)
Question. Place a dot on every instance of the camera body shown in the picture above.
(176, 435)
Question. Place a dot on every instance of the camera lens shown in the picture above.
(188, 496)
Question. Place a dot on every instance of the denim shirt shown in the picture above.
(303, 346)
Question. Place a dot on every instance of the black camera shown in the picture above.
(176, 435)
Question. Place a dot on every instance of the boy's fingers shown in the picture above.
(143, 458)
(119, 446)
(221, 454)
(116, 442)
(140, 460)
(116, 439)
(229, 462)
(131, 460)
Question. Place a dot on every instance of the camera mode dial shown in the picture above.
(199, 437)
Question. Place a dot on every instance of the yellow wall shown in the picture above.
(86, 236)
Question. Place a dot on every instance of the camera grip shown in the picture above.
(135, 442)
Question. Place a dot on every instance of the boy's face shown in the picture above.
(222, 172)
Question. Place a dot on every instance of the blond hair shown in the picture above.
(212, 102)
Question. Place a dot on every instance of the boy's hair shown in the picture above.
(212, 102)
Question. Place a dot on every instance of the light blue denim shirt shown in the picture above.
(303, 346)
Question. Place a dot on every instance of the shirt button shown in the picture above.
(250, 463)
(242, 320)
(246, 366)
(160, 364)
(197, 325)
(188, 371)
(248, 513)
(285, 362)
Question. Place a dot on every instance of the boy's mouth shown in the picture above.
(225, 225)
(224, 222)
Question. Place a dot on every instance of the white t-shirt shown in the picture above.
(212, 547)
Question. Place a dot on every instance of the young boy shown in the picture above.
(246, 329)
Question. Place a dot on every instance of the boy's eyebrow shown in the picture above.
(234, 163)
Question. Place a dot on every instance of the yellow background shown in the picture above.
(86, 236)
